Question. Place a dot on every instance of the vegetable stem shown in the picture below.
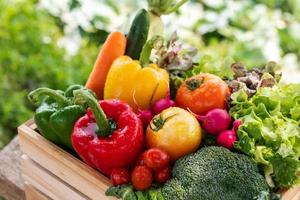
(164, 7)
(156, 25)
(175, 7)
(84, 96)
(146, 52)
(36, 94)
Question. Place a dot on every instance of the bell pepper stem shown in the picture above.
(35, 95)
(84, 96)
(146, 52)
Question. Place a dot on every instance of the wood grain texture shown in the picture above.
(11, 183)
(33, 194)
(48, 183)
(292, 194)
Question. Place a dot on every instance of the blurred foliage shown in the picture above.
(30, 58)
(252, 31)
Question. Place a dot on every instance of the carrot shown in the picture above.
(113, 47)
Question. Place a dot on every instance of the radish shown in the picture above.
(228, 137)
(145, 116)
(215, 121)
(236, 125)
(163, 104)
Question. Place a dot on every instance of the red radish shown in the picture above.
(145, 116)
(215, 121)
(236, 125)
(163, 104)
(228, 137)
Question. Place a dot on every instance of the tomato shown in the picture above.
(141, 177)
(174, 130)
(156, 158)
(163, 175)
(140, 161)
(119, 176)
(202, 93)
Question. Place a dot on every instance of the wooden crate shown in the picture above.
(56, 174)
(52, 173)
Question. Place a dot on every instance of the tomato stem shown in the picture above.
(193, 84)
(159, 122)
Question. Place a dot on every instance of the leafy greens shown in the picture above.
(270, 132)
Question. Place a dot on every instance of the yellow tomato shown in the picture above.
(174, 130)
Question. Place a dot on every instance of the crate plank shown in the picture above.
(292, 194)
(33, 194)
(65, 166)
(48, 183)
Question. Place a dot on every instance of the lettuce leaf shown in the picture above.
(285, 171)
(270, 132)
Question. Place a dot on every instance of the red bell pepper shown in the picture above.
(109, 138)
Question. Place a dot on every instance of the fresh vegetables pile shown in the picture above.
(160, 128)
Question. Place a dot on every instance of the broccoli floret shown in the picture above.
(124, 192)
(215, 173)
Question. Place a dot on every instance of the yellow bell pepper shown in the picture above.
(139, 86)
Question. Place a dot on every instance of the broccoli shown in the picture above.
(127, 192)
(215, 173)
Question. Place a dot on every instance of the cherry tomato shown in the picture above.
(119, 176)
(141, 177)
(202, 93)
(163, 175)
(140, 161)
(156, 158)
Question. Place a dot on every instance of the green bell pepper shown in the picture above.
(56, 114)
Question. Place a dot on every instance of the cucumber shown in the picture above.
(138, 34)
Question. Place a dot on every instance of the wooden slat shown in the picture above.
(65, 166)
(33, 194)
(48, 183)
(292, 194)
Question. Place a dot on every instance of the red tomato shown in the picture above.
(156, 158)
(202, 93)
(163, 175)
(119, 176)
(141, 177)
(140, 161)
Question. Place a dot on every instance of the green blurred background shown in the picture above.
(54, 43)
